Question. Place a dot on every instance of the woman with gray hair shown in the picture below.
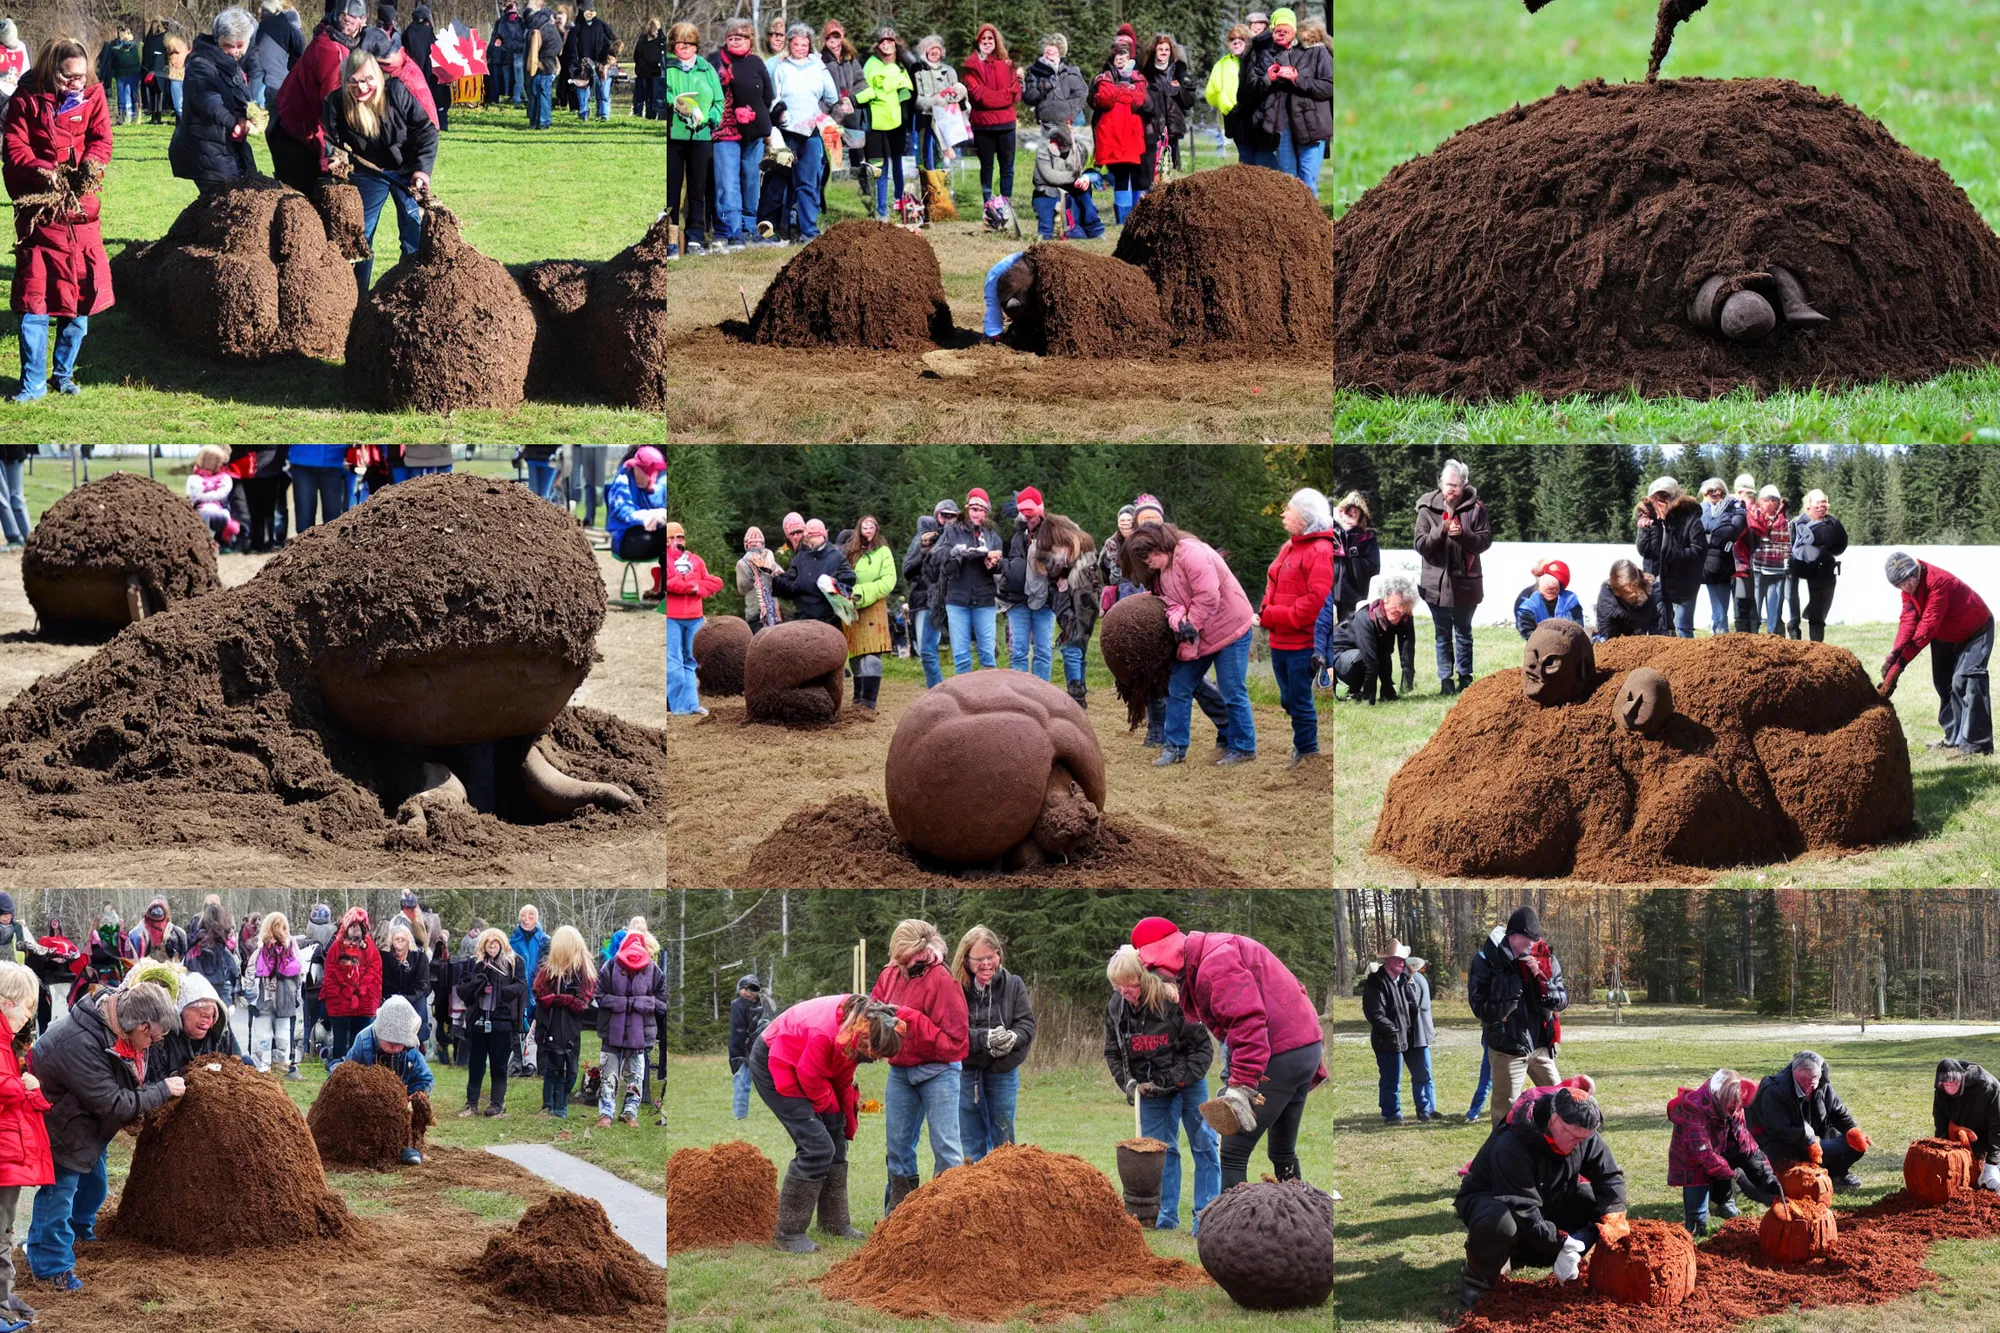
(211, 143)
(1296, 587)
(1452, 530)
(1942, 613)
(1361, 650)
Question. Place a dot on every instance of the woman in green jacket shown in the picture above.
(1222, 86)
(868, 633)
(885, 88)
(694, 94)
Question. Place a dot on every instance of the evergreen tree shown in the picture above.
(1663, 952)
(694, 500)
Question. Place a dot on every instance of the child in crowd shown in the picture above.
(208, 487)
(564, 985)
(25, 1161)
(391, 1041)
(627, 1024)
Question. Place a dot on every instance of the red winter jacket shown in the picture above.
(60, 267)
(806, 1059)
(1707, 1145)
(1944, 610)
(1240, 991)
(302, 98)
(934, 1005)
(1296, 586)
(1120, 134)
(991, 86)
(24, 1136)
(688, 583)
(353, 987)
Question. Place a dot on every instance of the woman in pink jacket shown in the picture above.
(1212, 626)
(1261, 1012)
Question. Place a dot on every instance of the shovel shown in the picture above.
(1140, 1163)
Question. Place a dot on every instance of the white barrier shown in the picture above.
(1863, 595)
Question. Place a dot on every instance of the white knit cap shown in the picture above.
(396, 1021)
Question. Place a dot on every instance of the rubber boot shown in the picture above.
(659, 588)
(795, 1209)
(833, 1210)
(1471, 1289)
(899, 1189)
(1078, 692)
(870, 687)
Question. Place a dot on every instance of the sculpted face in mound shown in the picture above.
(1557, 663)
(792, 672)
(1644, 703)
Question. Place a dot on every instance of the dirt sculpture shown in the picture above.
(624, 324)
(859, 283)
(1270, 1244)
(721, 1196)
(1044, 792)
(1558, 664)
(1775, 748)
(1803, 1180)
(792, 674)
(114, 551)
(1644, 703)
(447, 328)
(1795, 1230)
(365, 1117)
(1936, 1170)
(719, 649)
(1141, 1163)
(1654, 1264)
(229, 1165)
(247, 275)
(563, 1255)
(1241, 257)
(1138, 648)
(1021, 1230)
(1079, 303)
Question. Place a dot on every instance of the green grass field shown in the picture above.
(1958, 802)
(574, 191)
(1408, 77)
(752, 1289)
(1400, 1246)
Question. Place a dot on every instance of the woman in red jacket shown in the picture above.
(924, 1074)
(992, 87)
(1296, 586)
(1118, 94)
(688, 584)
(58, 133)
(25, 1159)
(352, 991)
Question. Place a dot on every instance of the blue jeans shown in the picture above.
(905, 1108)
(927, 649)
(35, 367)
(542, 479)
(649, 97)
(736, 185)
(1049, 211)
(257, 84)
(740, 1091)
(517, 82)
(399, 475)
(1451, 628)
(13, 502)
(1389, 1088)
(1073, 661)
(128, 94)
(808, 150)
(174, 90)
(967, 623)
(1301, 162)
(318, 488)
(1158, 1119)
(1293, 668)
(1232, 667)
(541, 101)
(376, 188)
(1694, 1205)
(1721, 596)
(1680, 615)
(65, 1213)
(1031, 629)
(683, 696)
(986, 1110)
(599, 92)
(1485, 1086)
(1771, 598)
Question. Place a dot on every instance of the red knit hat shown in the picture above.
(1149, 933)
(1555, 567)
(1028, 495)
(979, 494)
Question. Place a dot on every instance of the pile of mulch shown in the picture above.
(1085, 304)
(1556, 249)
(721, 1196)
(624, 324)
(563, 1255)
(1242, 258)
(246, 275)
(1137, 642)
(365, 1117)
(859, 283)
(849, 842)
(75, 564)
(1021, 1229)
(228, 1165)
(1777, 748)
(447, 328)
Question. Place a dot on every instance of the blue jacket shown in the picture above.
(530, 949)
(623, 499)
(410, 1066)
(1531, 610)
(1323, 632)
(319, 455)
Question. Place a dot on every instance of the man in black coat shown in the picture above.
(925, 631)
(418, 39)
(962, 565)
(1675, 546)
(749, 1014)
(211, 143)
(1366, 643)
(508, 55)
(1515, 985)
(1537, 1192)
(818, 568)
(1798, 1117)
(588, 52)
(1967, 1100)
(1396, 1001)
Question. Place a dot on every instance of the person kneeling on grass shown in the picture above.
(391, 1041)
(627, 1025)
(1796, 1116)
(25, 1162)
(1965, 1107)
(1361, 650)
(1062, 183)
(1712, 1154)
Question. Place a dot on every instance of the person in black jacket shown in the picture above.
(387, 144)
(1817, 542)
(1357, 555)
(590, 49)
(1002, 1028)
(1965, 1107)
(1515, 985)
(1291, 112)
(406, 971)
(1396, 1001)
(917, 569)
(1159, 1059)
(1798, 1117)
(818, 567)
(204, 1030)
(1723, 519)
(211, 143)
(749, 1014)
(1675, 546)
(153, 61)
(1363, 645)
(1629, 603)
(649, 72)
(962, 565)
(495, 995)
(418, 39)
(1170, 91)
(739, 140)
(1537, 1192)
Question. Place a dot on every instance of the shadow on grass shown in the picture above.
(1391, 1287)
(1943, 792)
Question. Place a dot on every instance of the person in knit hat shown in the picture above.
(961, 567)
(1547, 598)
(688, 585)
(635, 503)
(204, 1031)
(1515, 985)
(1026, 593)
(819, 569)
(391, 1041)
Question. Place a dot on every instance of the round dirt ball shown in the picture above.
(1138, 647)
(719, 648)
(1043, 782)
(78, 559)
(1653, 1265)
(1796, 1230)
(792, 674)
(1270, 1245)
(860, 283)
(1936, 1170)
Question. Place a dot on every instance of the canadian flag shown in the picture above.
(458, 54)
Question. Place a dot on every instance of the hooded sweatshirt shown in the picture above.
(627, 1003)
(353, 981)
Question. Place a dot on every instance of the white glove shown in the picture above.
(999, 1041)
(1568, 1259)
(1239, 1102)
(826, 583)
(1989, 1179)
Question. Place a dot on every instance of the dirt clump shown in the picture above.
(1088, 305)
(563, 1255)
(1242, 257)
(859, 283)
(447, 328)
(1972, 1215)
(1138, 647)
(1021, 1229)
(719, 649)
(228, 1165)
(624, 324)
(364, 1117)
(1803, 1180)
(792, 674)
(721, 1196)
(75, 566)
(345, 218)
(1672, 14)
(244, 276)
(1559, 248)
(1776, 748)
(1270, 1244)
(1935, 1170)
(1795, 1230)
(1653, 1265)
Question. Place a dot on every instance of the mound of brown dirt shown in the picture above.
(850, 842)
(1557, 248)
(1653, 1265)
(228, 1165)
(859, 283)
(624, 324)
(1775, 748)
(792, 674)
(362, 1117)
(1937, 1169)
(344, 216)
(1241, 256)
(1270, 1244)
(719, 649)
(558, 289)
(445, 329)
(721, 1196)
(244, 276)
(1021, 1228)
(1086, 304)
(1138, 647)
(563, 1255)
(78, 557)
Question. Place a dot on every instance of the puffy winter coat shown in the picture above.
(1531, 608)
(1296, 586)
(507, 984)
(1304, 104)
(934, 1008)
(1003, 1004)
(1398, 1010)
(24, 1136)
(1723, 528)
(409, 1064)
(1977, 1108)
(1169, 94)
(406, 141)
(353, 984)
(1200, 588)
(277, 972)
(215, 959)
(1617, 617)
(1168, 1050)
(60, 267)
(92, 1091)
(1516, 1018)
(1517, 1167)
(560, 1005)
(1452, 574)
(1357, 560)
(1943, 611)
(1057, 95)
(1369, 632)
(961, 578)
(885, 87)
(1118, 131)
(627, 1009)
(1225, 77)
(1674, 547)
(1239, 990)
(1785, 1123)
(800, 582)
(1709, 1144)
(215, 97)
(993, 88)
(409, 978)
(1817, 545)
(806, 1059)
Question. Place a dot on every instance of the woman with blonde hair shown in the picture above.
(1001, 1027)
(276, 975)
(1159, 1059)
(563, 988)
(379, 133)
(923, 1074)
(495, 994)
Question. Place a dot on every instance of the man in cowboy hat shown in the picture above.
(1396, 1000)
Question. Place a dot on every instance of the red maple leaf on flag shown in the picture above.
(459, 53)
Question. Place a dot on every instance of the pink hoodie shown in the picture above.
(1199, 586)
(1245, 996)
